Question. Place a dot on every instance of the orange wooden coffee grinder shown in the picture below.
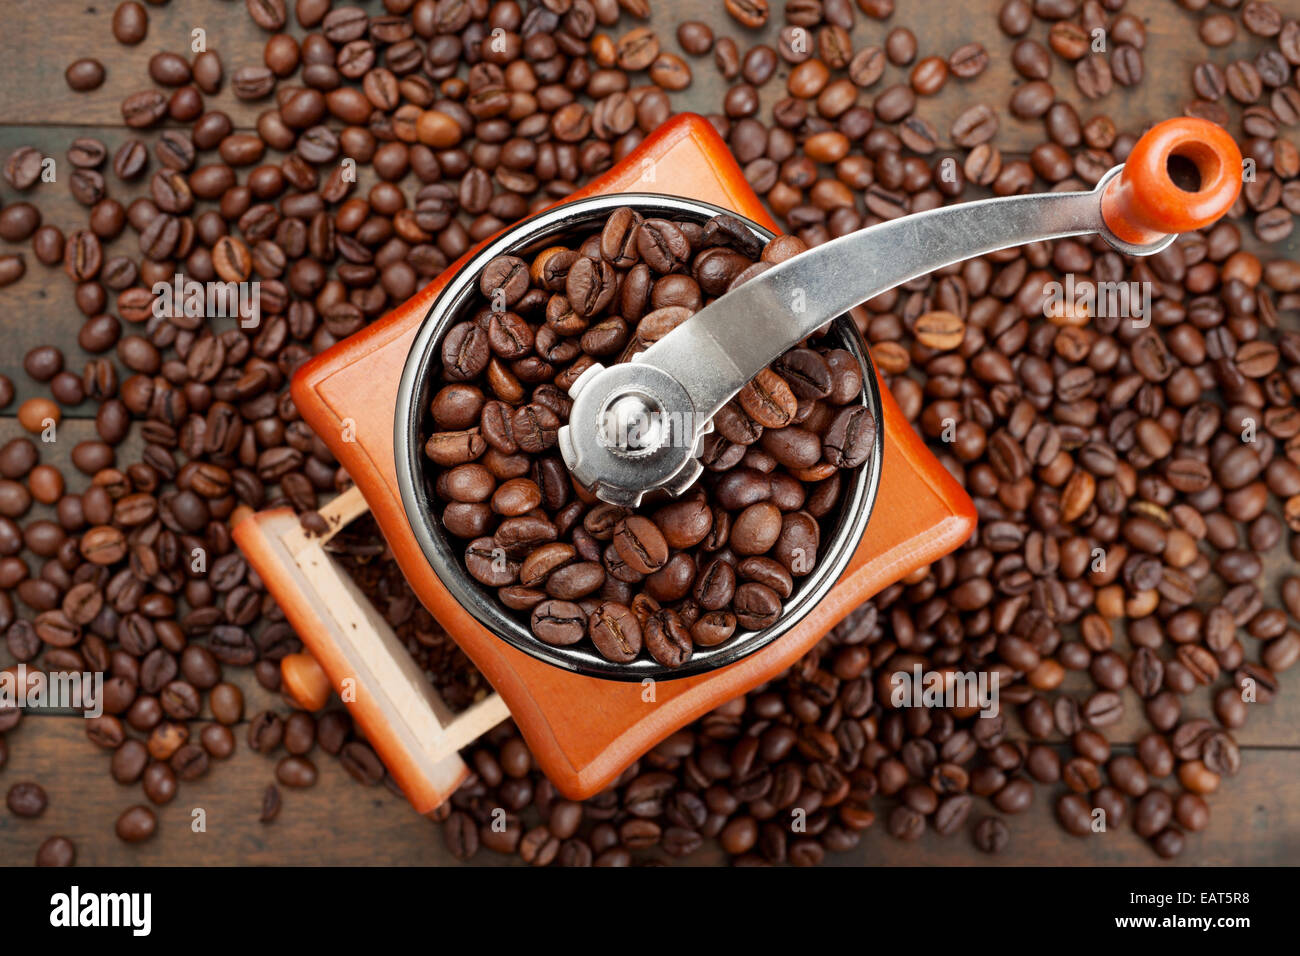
(584, 720)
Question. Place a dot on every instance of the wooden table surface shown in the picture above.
(1255, 817)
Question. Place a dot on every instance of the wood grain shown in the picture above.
(40, 110)
(340, 822)
(31, 72)
(37, 93)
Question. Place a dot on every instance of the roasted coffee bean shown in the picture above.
(559, 623)
(850, 438)
(991, 835)
(666, 638)
(616, 632)
(296, 772)
(867, 66)
(252, 83)
(84, 75)
(640, 544)
(265, 732)
(768, 400)
(662, 246)
(57, 850)
(977, 124)
(144, 109)
(26, 800)
(136, 824)
(695, 37)
(748, 13)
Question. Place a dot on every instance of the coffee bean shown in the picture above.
(144, 109)
(26, 799)
(1152, 813)
(1031, 60)
(661, 244)
(616, 632)
(1032, 100)
(18, 221)
(768, 400)
(900, 46)
(1126, 65)
(252, 83)
(296, 772)
(1220, 754)
(103, 545)
(640, 544)
(695, 37)
(136, 824)
(850, 438)
(56, 851)
(560, 623)
(1243, 82)
(968, 61)
(667, 639)
(12, 268)
(23, 167)
(465, 351)
(867, 66)
(270, 804)
(977, 124)
(267, 14)
(130, 22)
(1218, 30)
(590, 285)
(84, 74)
(751, 14)
(299, 732)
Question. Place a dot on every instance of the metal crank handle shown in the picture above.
(666, 397)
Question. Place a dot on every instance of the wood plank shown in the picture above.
(37, 96)
(31, 72)
(340, 823)
(1252, 822)
(336, 822)
(36, 91)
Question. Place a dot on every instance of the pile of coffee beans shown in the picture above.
(675, 574)
(1138, 482)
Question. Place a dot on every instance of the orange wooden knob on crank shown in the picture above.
(1183, 174)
